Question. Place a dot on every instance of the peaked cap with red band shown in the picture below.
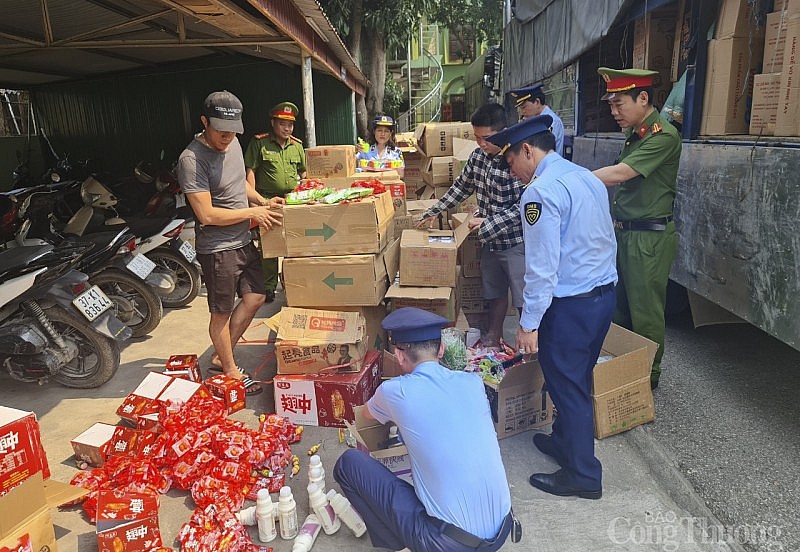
(622, 80)
(285, 110)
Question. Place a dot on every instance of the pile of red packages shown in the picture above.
(200, 449)
(215, 528)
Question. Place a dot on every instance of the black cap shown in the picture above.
(224, 112)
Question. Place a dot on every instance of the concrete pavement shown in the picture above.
(637, 511)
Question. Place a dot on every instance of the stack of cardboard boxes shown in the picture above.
(439, 163)
(751, 75)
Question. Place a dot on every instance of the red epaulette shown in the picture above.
(298, 140)
(260, 136)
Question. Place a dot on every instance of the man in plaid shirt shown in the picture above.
(496, 220)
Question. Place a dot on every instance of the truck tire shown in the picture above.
(135, 302)
(187, 286)
(98, 355)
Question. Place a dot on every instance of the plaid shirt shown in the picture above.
(498, 196)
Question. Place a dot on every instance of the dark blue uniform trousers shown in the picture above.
(571, 336)
(394, 516)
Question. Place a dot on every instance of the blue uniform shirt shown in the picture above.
(557, 127)
(569, 237)
(444, 420)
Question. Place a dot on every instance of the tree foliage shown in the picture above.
(475, 21)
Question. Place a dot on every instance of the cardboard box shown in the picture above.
(438, 171)
(428, 257)
(127, 521)
(462, 151)
(412, 173)
(469, 254)
(737, 18)
(520, 401)
(25, 521)
(683, 40)
(230, 391)
(436, 139)
(397, 190)
(91, 446)
(326, 161)
(775, 42)
(21, 452)
(340, 229)
(391, 366)
(732, 63)
(312, 340)
(352, 280)
(766, 96)
(653, 42)
(787, 122)
(374, 315)
(371, 438)
(621, 393)
(327, 399)
(142, 399)
(348, 181)
(439, 300)
(183, 366)
(470, 294)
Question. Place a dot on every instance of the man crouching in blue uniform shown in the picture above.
(460, 499)
(570, 281)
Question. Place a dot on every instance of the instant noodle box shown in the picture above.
(355, 228)
(127, 521)
(229, 390)
(183, 366)
(327, 399)
(309, 341)
(143, 403)
(325, 161)
(21, 451)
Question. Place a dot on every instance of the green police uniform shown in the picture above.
(644, 256)
(277, 170)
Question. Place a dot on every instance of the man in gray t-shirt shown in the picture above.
(211, 173)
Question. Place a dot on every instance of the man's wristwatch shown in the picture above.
(526, 330)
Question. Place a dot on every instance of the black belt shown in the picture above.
(653, 225)
(468, 539)
(599, 290)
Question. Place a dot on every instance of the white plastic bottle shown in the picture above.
(324, 512)
(316, 462)
(346, 513)
(265, 517)
(307, 535)
(287, 514)
(316, 475)
(247, 516)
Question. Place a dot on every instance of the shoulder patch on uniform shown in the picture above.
(260, 136)
(533, 210)
(294, 139)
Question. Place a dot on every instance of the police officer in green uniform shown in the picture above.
(275, 164)
(645, 176)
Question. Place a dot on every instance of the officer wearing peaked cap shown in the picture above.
(644, 176)
(569, 294)
(530, 102)
(460, 499)
(275, 162)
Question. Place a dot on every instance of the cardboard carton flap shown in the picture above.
(462, 148)
(413, 292)
(329, 326)
(633, 359)
(57, 493)
(391, 259)
(21, 502)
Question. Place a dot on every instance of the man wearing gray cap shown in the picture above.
(212, 175)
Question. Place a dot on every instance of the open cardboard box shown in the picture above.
(369, 435)
(428, 257)
(520, 401)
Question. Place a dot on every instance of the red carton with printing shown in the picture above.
(183, 366)
(327, 399)
(21, 451)
(127, 521)
(91, 446)
(229, 390)
(141, 401)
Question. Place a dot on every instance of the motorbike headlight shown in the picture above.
(55, 177)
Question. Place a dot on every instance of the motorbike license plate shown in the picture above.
(92, 303)
(141, 266)
(188, 251)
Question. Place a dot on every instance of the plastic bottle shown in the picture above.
(316, 462)
(247, 516)
(347, 513)
(265, 517)
(318, 503)
(307, 535)
(394, 438)
(287, 514)
(316, 475)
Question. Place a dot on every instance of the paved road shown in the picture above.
(728, 413)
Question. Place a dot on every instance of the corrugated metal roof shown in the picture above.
(57, 40)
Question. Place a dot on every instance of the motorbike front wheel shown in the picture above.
(187, 285)
(98, 355)
(135, 302)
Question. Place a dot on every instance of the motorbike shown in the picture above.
(114, 265)
(54, 324)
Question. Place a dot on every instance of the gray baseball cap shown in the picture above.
(224, 112)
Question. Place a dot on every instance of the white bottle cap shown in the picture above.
(331, 494)
(263, 494)
(286, 491)
(315, 461)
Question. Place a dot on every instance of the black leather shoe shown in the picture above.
(653, 384)
(545, 445)
(270, 296)
(556, 484)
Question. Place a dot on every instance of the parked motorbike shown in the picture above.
(53, 323)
